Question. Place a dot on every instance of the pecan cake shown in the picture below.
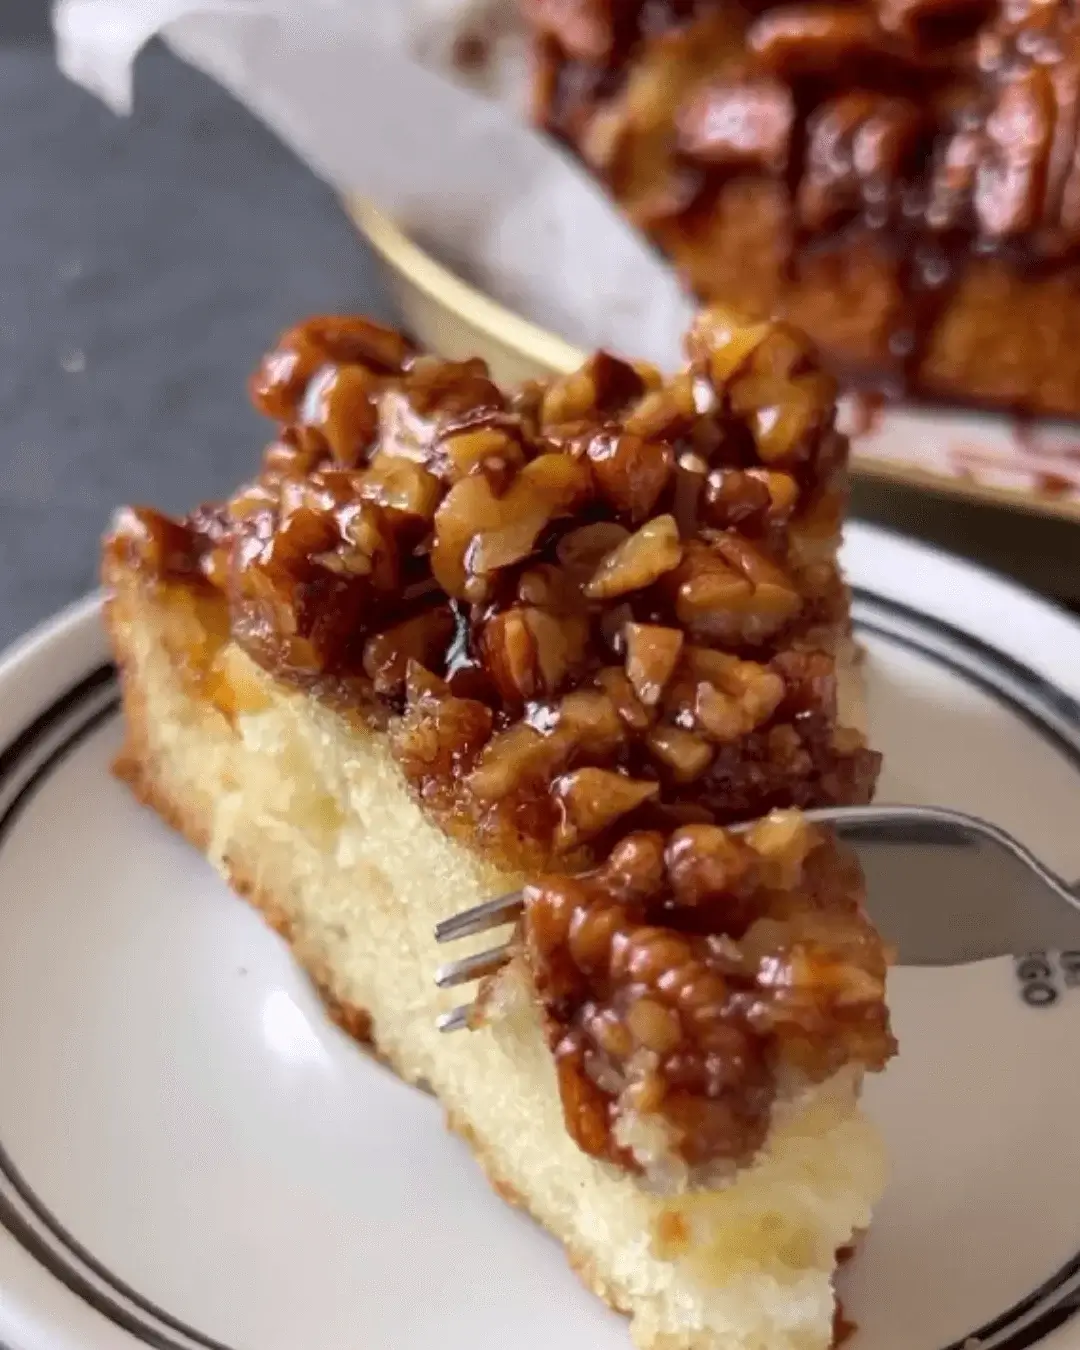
(452, 641)
(901, 178)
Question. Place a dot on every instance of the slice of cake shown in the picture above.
(453, 641)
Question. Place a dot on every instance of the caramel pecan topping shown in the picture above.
(577, 626)
(587, 613)
(690, 973)
(859, 145)
(1010, 182)
(725, 98)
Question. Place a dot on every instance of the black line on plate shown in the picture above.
(10, 1218)
(1037, 1329)
(21, 799)
(1041, 690)
(1068, 748)
(54, 713)
(1070, 1302)
(1026, 1304)
(76, 1282)
(1066, 707)
(1062, 703)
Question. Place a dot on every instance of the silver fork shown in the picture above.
(943, 888)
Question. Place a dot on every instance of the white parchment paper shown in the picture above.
(368, 92)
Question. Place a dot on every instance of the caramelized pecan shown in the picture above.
(549, 596)
(638, 561)
(737, 126)
(815, 39)
(1010, 181)
(776, 969)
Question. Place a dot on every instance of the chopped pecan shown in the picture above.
(683, 754)
(786, 415)
(338, 405)
(401, 486)
(531, 653)
(731, 697)
(1010, 181)
(729, 592)
(592, 799)
(704, 862)
(436, 399)
(735, 498)
(719, 344)
(638, 561)
(492, 451)
(859, 146)
(516, 756)
(278, 386)
(629, 471)
(636, 715)
(422, 639)
(738, 125)
(592, 720)
(815, 39)
(581, 551)
(652, 652)
(478, 532)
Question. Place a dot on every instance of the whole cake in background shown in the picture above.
(901, 178)
(452, 641)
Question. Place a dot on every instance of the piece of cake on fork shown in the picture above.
(452, 641)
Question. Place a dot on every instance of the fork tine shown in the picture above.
(456, 1020)
(472, 967)
(480, 918)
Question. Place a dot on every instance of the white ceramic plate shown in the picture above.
(192, 1157)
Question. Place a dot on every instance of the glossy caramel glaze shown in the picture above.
(602, 605)
(688, 976)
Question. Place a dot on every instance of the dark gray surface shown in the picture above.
(144, 265)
